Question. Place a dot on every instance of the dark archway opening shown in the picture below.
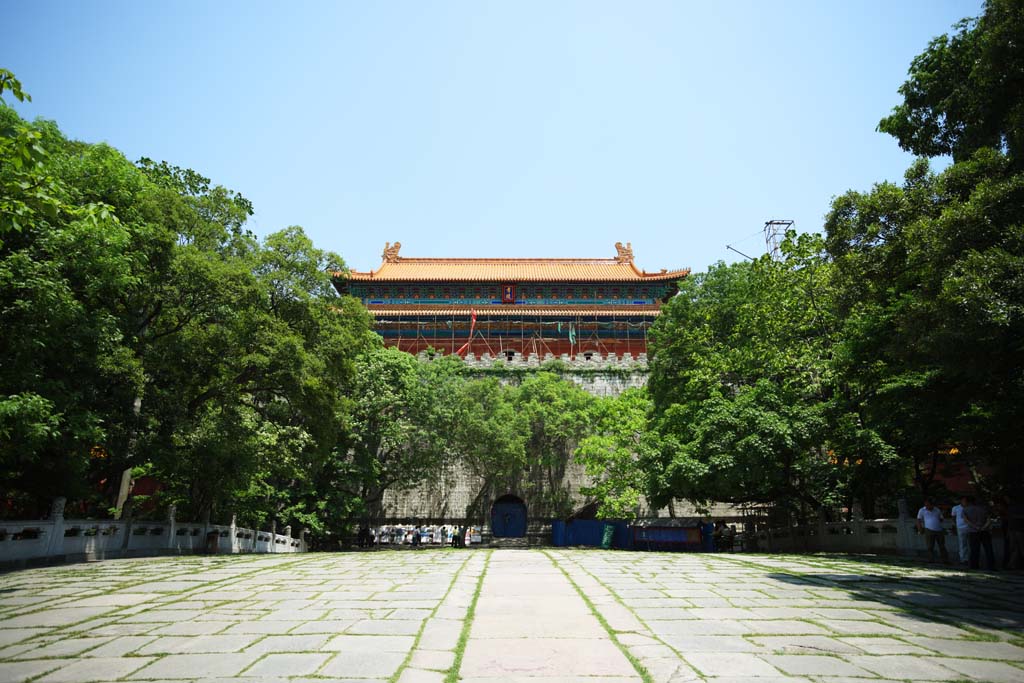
(508, 517)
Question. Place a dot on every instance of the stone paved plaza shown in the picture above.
(510, 615)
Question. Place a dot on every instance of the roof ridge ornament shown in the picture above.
(390, 254)
(625, 253)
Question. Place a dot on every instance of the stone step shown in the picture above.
(509, 543)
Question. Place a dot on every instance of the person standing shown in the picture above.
(980, 535)
(962, 530)
(929, 520)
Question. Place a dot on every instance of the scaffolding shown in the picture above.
(774, 232)
(520, 334)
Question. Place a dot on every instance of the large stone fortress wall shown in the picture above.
(456, 495)
(607, 375)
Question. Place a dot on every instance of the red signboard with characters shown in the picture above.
(508, 294)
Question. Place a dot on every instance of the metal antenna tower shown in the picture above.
(774, 233)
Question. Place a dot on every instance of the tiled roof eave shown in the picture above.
(646, 311)
(612, 278)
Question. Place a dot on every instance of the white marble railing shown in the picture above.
(895, 536)
(589, 360)
(58, 537)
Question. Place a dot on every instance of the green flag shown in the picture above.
(572, 334)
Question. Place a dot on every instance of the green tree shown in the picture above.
(59, 256)
(156, 333)
(966, 91)
(619, 453)
(745, 395)
(278, 361)
(489, 438)
(929, 273)
(557, 415)
(398, 428)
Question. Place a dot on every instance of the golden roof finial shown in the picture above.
(391, 252)
(625, 253)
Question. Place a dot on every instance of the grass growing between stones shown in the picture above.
(85, 626)
(452, 674)
(637, 664)
(419, 634)
(618, 599)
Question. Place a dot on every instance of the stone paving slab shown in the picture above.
(820, 618)
(522, 591)
(96, 669)
(580, 616)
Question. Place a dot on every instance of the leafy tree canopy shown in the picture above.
(966, 91)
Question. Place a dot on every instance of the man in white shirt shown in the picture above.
(962, 529)
(929, 520)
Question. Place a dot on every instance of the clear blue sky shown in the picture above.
(492, 128)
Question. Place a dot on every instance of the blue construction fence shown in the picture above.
(626, 536)
(590, 532)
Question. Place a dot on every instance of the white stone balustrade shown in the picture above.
(895, 536)
(90, 539)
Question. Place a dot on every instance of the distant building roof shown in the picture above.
(547, 311)
(397, 268)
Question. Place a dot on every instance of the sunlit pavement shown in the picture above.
(529, 615)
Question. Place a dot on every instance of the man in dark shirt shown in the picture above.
(979, 535)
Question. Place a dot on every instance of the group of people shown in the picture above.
(457, 536)
(724, 537)
(973, 524)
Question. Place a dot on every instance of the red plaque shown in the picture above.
(508, 294)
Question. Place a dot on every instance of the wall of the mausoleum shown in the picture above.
(456, 494)
(597, 374)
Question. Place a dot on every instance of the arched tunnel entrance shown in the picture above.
(508, 517)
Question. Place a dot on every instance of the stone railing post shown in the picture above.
(288, 533)
(905, 537)
(304, 540)
(172, 525)
(55, 544)
(233, 535)
(273, 536)
(206, 523)
(821, 531)
(127, 515)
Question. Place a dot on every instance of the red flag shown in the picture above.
(472, 326)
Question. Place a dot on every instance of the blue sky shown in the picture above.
(493, 128)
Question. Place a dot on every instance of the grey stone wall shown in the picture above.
(457, 495)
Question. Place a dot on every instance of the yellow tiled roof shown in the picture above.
(645, 310)
(397, 268)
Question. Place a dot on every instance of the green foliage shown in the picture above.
(489, 436)
(60, 255)
(745, 394)
(154, 332)
(890, 347)
(9, 82)
(619, 453)
(557, 414)
(932, 275)
(397, 430)
(931, 272)
(966, 91)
